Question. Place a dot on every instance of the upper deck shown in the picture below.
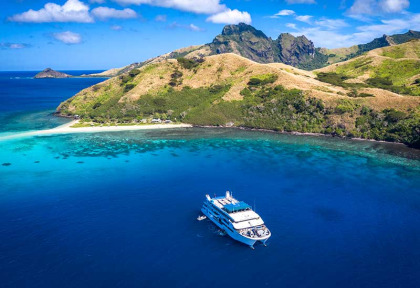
(238, 211)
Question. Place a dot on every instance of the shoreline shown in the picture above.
(302, 134)
(67, 129)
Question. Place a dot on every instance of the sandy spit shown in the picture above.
(67, 129)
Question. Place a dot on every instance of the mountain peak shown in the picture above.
(301, 38)
(285, 35)
(237, 29)
(253, 44)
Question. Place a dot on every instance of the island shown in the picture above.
(219, 84)
(50, 73)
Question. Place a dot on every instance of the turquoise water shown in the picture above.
(119, 210)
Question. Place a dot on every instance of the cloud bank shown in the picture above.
(104, 13)
(376, 7)
(71, 11)
(77, 11)
(199, 7)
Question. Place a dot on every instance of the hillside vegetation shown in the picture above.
(393, 68)
(227, 89)
(343, 54)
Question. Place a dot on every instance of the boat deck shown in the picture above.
(222, 201)
(256, 232)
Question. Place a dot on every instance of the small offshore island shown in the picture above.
(217, 85)
(50, 73)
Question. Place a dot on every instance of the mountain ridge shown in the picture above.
(254, 44)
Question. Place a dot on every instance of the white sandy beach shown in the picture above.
(67, 129)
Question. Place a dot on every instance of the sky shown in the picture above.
(103, 34)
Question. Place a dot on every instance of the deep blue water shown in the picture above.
(119, 210)
(27, 103)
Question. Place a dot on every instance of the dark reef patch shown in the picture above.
(328, 214)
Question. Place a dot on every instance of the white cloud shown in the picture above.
(304, 18)
(331, 23)
(116, 27)
(392, 26)
(333, 39)
(68, 37)
(393, 6)
(291, 25)
(195, 28)
(160, 18)
(71, 11)
(300, 1)
(230, 17)
(199, 7)
(104, 13)
(376, 7)
(13, 45)
(285, 13)
(362, 7)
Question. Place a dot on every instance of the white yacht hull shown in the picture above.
(235, 235)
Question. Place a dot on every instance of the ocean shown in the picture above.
(119, 209)
(28, 104)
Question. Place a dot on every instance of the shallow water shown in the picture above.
(119, 209)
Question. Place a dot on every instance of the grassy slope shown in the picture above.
(399, 64)
(342, 54)
(229, 88)
(339, 54)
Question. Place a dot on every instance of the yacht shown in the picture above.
(236, 218)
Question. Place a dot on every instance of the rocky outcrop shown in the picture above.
(294, 50)
(405, 37)
(50, 73)
(244, 40)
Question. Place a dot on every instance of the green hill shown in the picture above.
(228, 89)
(343, 54)
(394, 68)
